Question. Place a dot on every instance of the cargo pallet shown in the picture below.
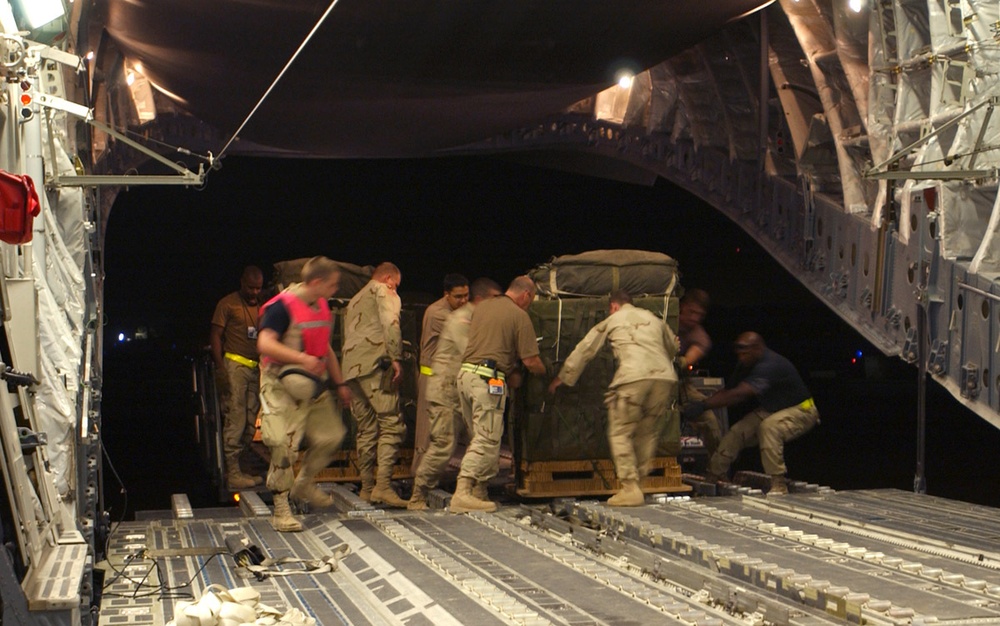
(344, 467)
(593, 477)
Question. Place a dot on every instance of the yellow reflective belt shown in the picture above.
(807, 404)
(426, 371)
(481, 370)
(242, 360)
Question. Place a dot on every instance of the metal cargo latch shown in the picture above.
(909, 353)
(939, 357)
(970, 381)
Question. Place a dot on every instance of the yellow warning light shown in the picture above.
(25, 99)
(236, 497)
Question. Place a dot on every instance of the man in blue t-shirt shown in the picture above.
(786, 410)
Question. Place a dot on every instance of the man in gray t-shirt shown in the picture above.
(786, 410)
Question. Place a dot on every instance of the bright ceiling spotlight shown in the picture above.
(130, 78)
(40, 12)
(625, 80)
(855, 5)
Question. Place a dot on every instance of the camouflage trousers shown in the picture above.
(483, 413)
(636, 412)
(380, 428)
(706, 424)
(239, 407)
(768, 430)
(285, 422)
(422, 425)
(446, 422)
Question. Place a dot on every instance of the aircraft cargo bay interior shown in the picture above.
(717, 341)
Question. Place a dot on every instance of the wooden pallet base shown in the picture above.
(344, 467)
(596, 477)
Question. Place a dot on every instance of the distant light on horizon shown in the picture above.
(121, 336)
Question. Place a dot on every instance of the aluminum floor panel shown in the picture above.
(937, 520)
(887, 531)
(562, 585)
(878, 558)
(898, 581)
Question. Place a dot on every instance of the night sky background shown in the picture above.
(171, 253)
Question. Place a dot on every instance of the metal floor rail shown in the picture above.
(799, 560)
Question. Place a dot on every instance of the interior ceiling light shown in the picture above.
(625, 80)
(41, 12)
(855, 5)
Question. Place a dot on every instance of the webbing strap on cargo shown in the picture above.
(558, 328)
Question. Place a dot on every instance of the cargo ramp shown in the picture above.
(813, 557)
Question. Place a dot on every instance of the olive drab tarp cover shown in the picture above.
(572, 424)
(602, 272)
(352, 277)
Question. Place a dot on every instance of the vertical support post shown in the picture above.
(919, 478)
(34, 166)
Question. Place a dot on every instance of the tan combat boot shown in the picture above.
(779, 485)
(283, 521)
(628, 495)
(367, 484)
(307, 491)
(236, 479)
(418, 501)
(464, 502)
(383, 494)
(480, 491)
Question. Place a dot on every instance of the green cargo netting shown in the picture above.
(572, 425)
(602, 272)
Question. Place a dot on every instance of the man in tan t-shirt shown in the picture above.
(501, 338)
(443, 407)
(456, 294)
(233, 341)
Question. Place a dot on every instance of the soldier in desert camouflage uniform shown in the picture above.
(640, 392)
(371, 364)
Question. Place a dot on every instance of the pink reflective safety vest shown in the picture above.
(308, 328)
